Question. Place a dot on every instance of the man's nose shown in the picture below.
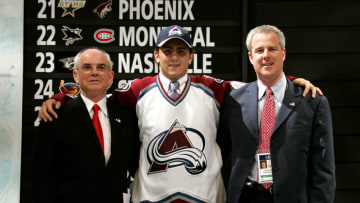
(174, 57)
(266, 54)
(94, 71)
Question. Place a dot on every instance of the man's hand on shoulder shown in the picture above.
(308, 86)
(47, 111)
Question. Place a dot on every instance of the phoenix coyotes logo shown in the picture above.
(70, 6)
(103, 9)
(177, 147)
(71, 35)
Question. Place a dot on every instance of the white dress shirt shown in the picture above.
(278, 90)
(104, 121)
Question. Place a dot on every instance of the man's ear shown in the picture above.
(191, 57)
(284, 54)
(250, 57)
(75, 75)
(156, 55)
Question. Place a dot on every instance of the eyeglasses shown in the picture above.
(101, 68)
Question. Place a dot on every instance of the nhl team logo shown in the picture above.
(70, 6)
(177, 147)
(70, 89)
(71, 35)
(175, 31)
(104, 35)
(102, 9)
(68, 62)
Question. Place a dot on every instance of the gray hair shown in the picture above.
(77, 57)
(265, 29)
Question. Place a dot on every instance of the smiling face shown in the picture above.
(93, 74)
(174, 58)
(267, 57)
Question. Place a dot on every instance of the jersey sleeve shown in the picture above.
(128, 94)
(218, 87)
(61, 97)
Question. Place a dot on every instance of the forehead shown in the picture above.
(265, 39)
(93, 56)
(175, 43)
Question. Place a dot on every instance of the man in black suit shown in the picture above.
(78, 161)
(291, 133)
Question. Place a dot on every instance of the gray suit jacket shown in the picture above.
(302, 152)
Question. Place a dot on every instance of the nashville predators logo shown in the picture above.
(70, 6)
(177, 147)
(68, 62)
(103, 9)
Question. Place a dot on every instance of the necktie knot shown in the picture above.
(268, 92)
(96, 108)
(174, 87)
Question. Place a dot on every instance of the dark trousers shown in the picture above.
(255, 193)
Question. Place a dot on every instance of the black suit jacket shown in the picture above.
(301, 145)
(69, 165)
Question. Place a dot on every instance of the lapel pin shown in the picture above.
(292, 104)
(118, 120)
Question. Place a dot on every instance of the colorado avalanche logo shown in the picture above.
(177, 147)
(175, 31)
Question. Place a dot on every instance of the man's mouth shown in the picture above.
(174, 65)
(268, 64)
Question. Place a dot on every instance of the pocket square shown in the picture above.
(118, 120)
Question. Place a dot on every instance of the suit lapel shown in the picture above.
(115, 117)
(292, 98)
(85, 122)
(114, 121)
(249, 107)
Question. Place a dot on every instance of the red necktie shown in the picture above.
(97, 125)
(267, 123)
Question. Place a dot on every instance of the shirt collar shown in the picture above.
(278, 89)
(165, 82)
(89, 104)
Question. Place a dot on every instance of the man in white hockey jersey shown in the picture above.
(178, 115)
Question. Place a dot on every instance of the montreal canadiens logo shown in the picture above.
(104, 35)
(177, 147)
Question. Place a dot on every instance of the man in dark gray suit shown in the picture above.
(77, 160)
(270, 121)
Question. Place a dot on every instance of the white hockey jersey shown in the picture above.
(179, 157)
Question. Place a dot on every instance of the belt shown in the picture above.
(256, 186)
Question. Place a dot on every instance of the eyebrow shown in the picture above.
(101, 64)
(168, 47)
